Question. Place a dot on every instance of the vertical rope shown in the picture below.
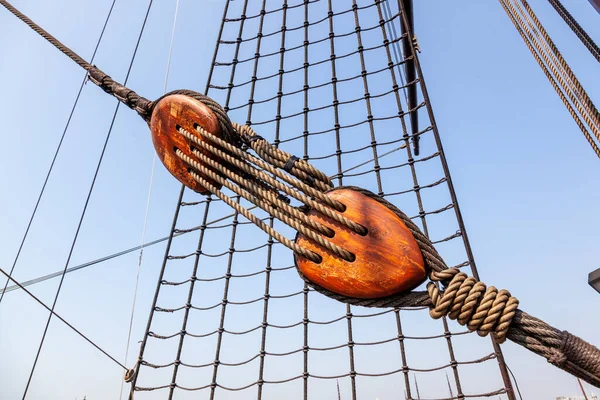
(89, 195)
(454, 198)
(56, 152)
(405, 135)
(365, 81)
(336, 113)
(173, 232)
(143, 240)
(305, 348)
(263, 341)
(213, 384)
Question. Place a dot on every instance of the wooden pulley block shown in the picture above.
(388, 260)
(184, 111)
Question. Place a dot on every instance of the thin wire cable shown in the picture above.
(514, 379)
(140, 258)
(10, 278)
(89, 195)
(118, 254)
(58, 147)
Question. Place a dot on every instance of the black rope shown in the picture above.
(264, 324)
(290, 163)
(127, 96)
(587, 41)
(560, 348)
(136, 370)
(123, 252)
(89, 195)
(315, 124)
(52, 312)
(58, 147)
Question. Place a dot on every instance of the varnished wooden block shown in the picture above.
(179, 110)
(388, 259)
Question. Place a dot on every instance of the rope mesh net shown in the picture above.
(325, 81)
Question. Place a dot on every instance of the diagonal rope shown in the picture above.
(56, 152)
(18, 284)
(553, 77)
(125, 95)
(587, 41)
(89, 195)
(118, 254)
(140, 258)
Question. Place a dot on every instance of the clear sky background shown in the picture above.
(526, 181)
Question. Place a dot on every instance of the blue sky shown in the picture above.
(524, 175)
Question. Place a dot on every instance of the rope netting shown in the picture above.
(325, 81)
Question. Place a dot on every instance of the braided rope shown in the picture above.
(254, 219)
(268, 195)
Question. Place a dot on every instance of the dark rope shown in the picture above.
(133, 374)
(58, 148)
(560, 348)
(127, 96)
(576, 28)
(85, 206)
(19, 285)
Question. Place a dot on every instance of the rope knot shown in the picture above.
(125, 95)
(130, 374)
(465, 299)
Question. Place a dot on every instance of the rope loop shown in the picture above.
(465, 299)
(131, 373)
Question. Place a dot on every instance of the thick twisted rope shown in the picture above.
(465, 299)
(482, 309)
(125, 95)
(573, 87)
(510, 11)
(284, 160)
(260, 174)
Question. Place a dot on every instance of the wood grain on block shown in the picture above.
(388, 259)
(179, 110)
